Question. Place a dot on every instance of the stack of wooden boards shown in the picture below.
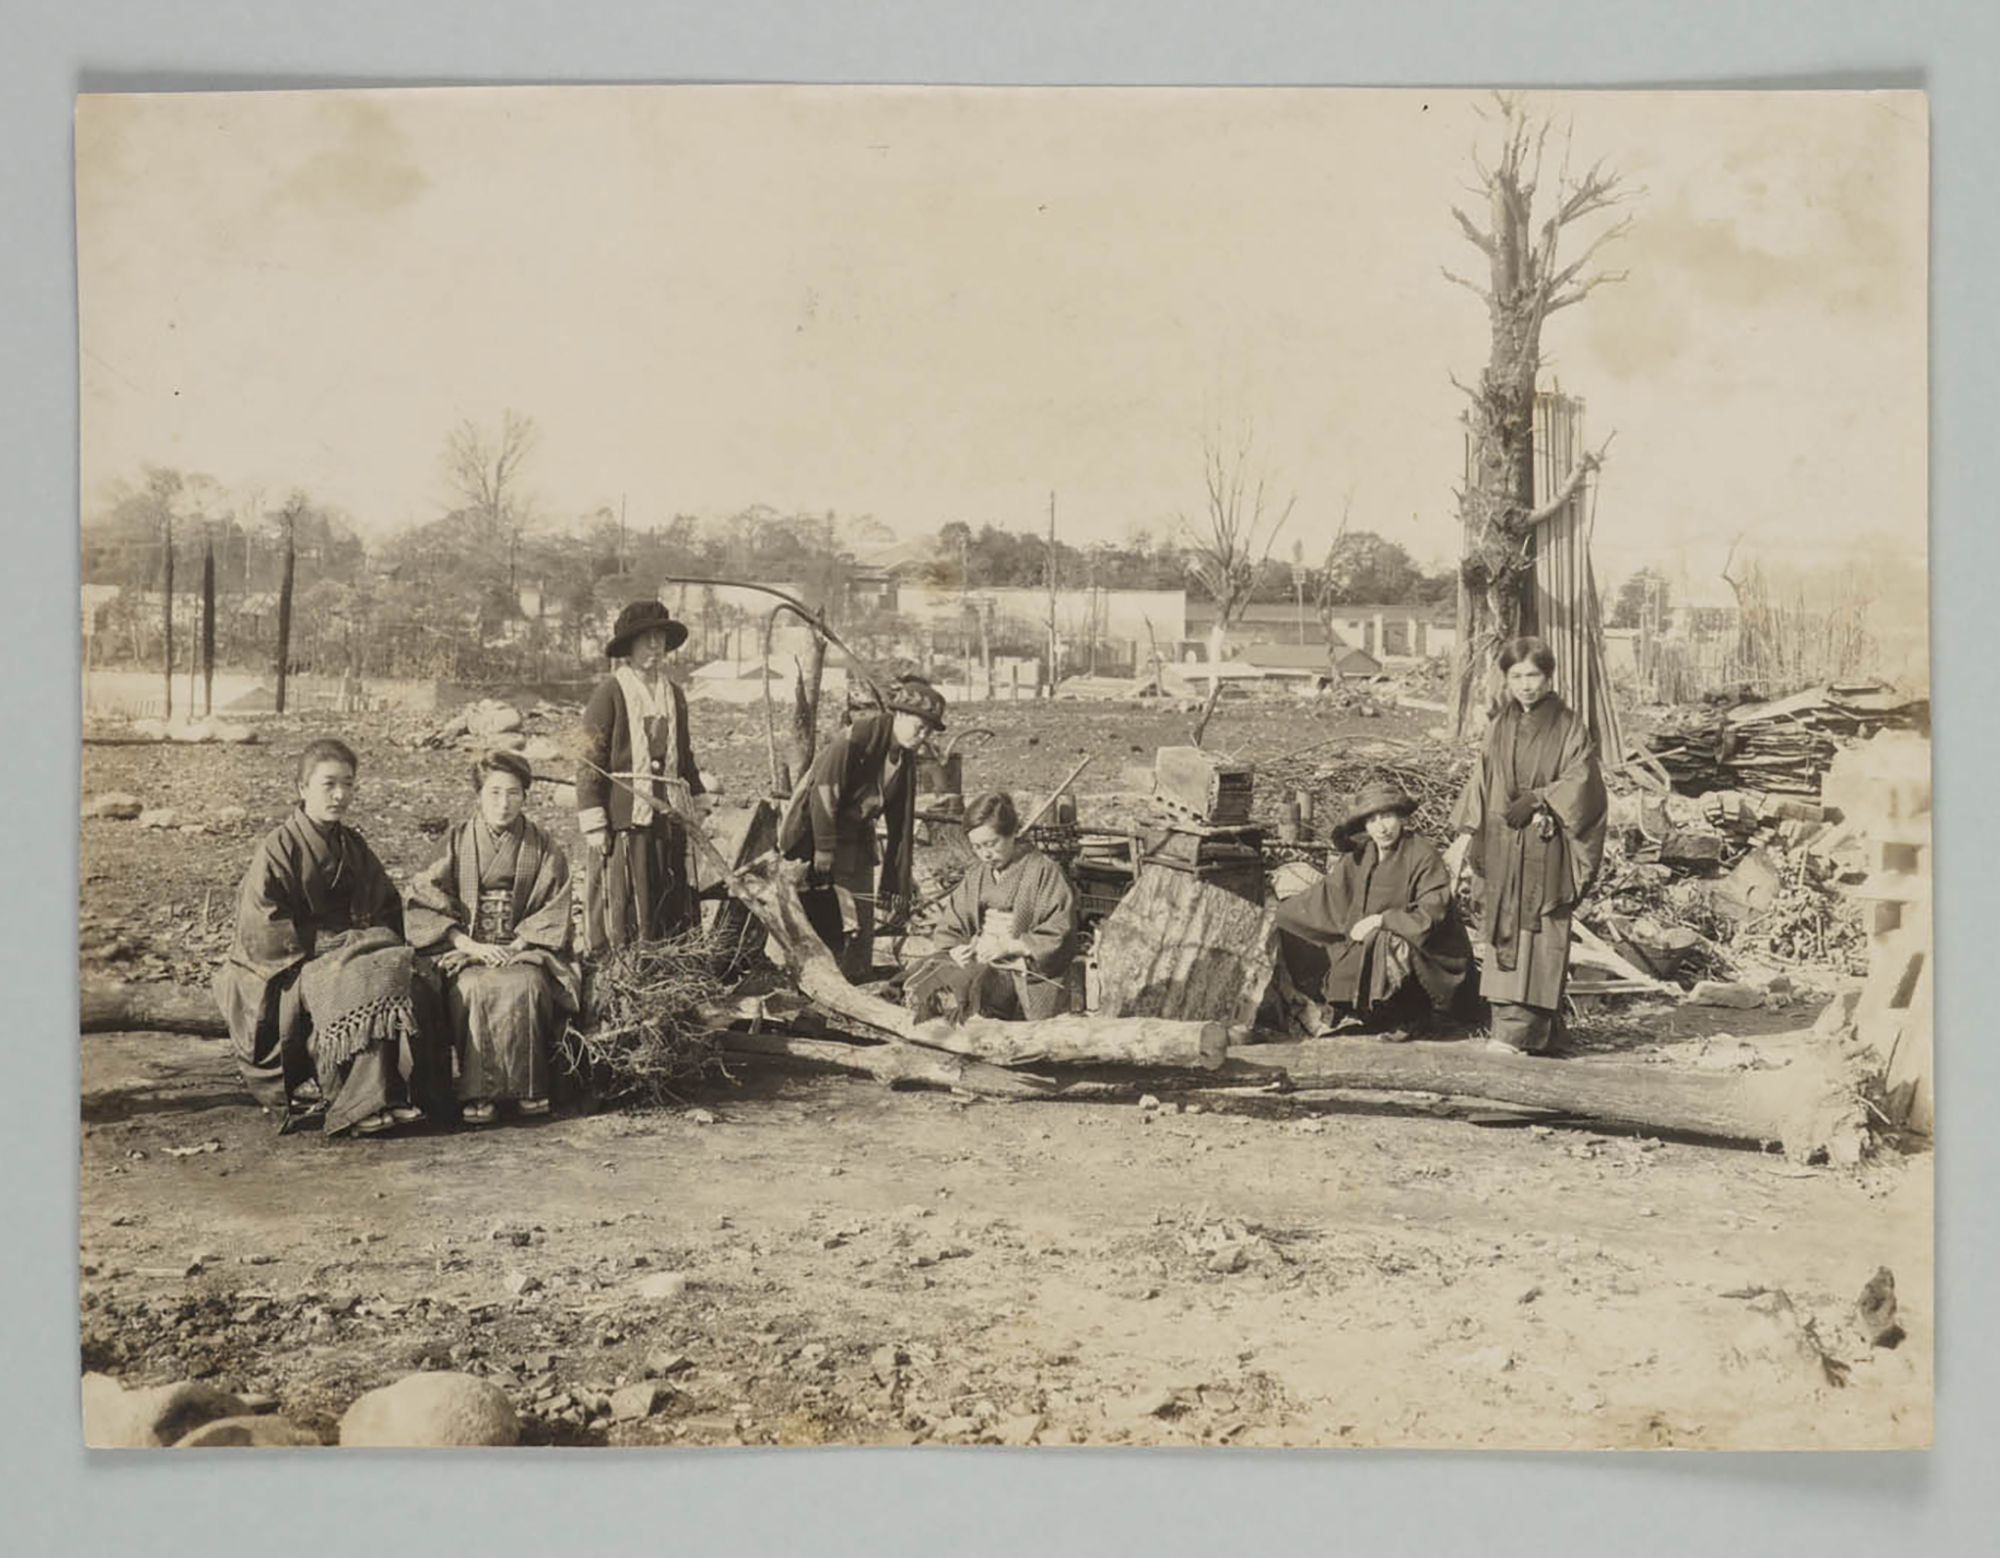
(1785, 745)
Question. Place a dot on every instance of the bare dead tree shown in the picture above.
(1228, 543)
(1526, 283)
(485, 472)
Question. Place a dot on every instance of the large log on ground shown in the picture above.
(892, 1063)
(114, 1006)
(763, 888)
(1178, 947)
(1077, 1039)
(1810, 1106)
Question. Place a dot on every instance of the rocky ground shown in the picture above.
(821, 1260)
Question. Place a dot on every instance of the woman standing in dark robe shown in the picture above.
(637, 767)
(494, 913)
(1007, 933)
(319, 988)
(866, 772)
(1531, 824)
(1376, 937)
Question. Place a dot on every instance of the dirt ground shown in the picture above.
(812, 1259)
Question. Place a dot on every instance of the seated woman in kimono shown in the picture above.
(1008, 931)
(494, 912)
(319, 988)
(1376, 939)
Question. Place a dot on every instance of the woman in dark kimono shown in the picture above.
(494, 913)
(319, 988)
(637, 768)
(1376, 938)
(1008, 930)
(1531, 824)
(866, 772)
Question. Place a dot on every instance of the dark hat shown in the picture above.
(644, 616)
(914, 695)
(1378, 795)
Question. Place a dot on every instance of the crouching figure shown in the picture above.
(1008, 931)
(1376, 938)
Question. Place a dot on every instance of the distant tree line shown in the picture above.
(501, 585)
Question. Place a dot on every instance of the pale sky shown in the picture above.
(927, 305)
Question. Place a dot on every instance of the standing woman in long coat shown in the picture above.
(1531, 824)
(637, 764)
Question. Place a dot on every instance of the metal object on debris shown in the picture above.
(1203, 788)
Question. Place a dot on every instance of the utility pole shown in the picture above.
(167, 520)
(285, 597)
(1052, 595)
(207, 629)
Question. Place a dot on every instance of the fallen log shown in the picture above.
(1076, 1039)
(1808, 1107)
(892, 1063)
(117, 1006)
(763, 887)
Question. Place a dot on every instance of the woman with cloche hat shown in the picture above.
(637, 767)
(865, 773)
(1376, 937)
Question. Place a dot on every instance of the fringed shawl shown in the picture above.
(305, 884)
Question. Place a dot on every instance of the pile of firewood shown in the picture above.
(1784, 745)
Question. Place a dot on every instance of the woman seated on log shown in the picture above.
(319, 989)
(495, 914)
(1376, 939)
(1531, 825)
(1008, 930)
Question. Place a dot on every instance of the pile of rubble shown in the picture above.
(1785, 745)
(491, 724)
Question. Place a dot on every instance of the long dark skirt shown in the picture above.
(640, 891)
(503, 1021)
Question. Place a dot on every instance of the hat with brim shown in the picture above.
(1375, 797)
(644, 616)
(914, 695)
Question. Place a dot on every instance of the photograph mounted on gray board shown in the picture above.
(803, 765)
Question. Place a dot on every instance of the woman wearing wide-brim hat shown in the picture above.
(1376, 938)
(637, 767)
(866, 774)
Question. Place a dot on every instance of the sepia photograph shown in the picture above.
(776, 765)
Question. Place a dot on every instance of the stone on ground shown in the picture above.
(430, 1410)
(115, 1418)
(249, 1433)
